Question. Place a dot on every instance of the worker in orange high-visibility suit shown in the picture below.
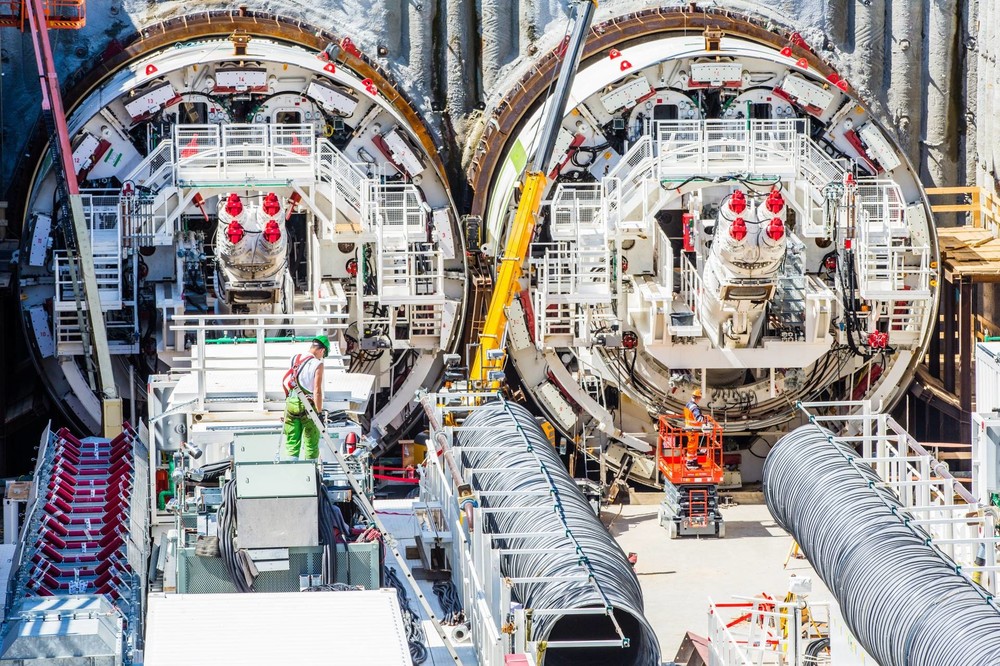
(693, 421)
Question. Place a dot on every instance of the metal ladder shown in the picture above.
(698, 506)
(64, 222)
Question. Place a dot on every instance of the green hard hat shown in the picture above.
(323, 340)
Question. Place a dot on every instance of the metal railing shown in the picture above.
(477, 552)
(570, 273)
(424, 320)
(149, 203)
(962, 530)
(45, 459)
(890, 266)
(409, 269)
(475, 583)
(574, 276)
(713, 147)
(691, 292)
(66, 14)
(576, 209)
(122, 337)
(816, 172)
(413, 274)
(338, 179)
(573, 285)
(632, 192)
(127, 590)
(629, 177)
(108, 271)
(101, 213)
(394, 212)
(243, 154)
(156, 170)
(760, 631)
(232, 155)
(248, 372)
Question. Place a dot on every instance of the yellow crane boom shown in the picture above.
(506, 284)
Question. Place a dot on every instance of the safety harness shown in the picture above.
(291, 379)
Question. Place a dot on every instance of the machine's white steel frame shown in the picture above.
(580, 276)
(349, 203)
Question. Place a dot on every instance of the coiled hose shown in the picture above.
(902, 599)
(579, 543)
(411, 621)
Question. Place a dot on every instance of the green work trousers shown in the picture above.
(300, 430)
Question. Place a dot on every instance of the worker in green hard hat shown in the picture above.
(304, 381)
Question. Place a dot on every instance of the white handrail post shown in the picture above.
(882, 435)
(866, 425)
(201, 370)
(261, 364)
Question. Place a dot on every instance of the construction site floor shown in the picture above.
(678, 576)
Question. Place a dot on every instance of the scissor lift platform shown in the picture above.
(691, 500)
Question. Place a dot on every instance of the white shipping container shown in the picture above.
(402, 153)
(626, 96)
(878, 147)
(716, 73)
(84, 151)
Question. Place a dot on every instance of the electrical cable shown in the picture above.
(451, 603)
(562, 539)
(236, 560)
(331, 522)
(901, 597)
(411, 621)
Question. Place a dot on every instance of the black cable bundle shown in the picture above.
(334, 587)
(411, 621)
(236, 561)
(451, 603)
(331, 520)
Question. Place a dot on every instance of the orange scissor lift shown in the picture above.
(691, 502)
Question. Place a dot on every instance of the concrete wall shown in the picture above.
(927, 65)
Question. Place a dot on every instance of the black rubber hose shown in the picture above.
(902, 599)
(505, 436)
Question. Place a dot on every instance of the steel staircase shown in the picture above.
(81, 545)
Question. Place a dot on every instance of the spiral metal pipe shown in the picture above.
(505, 436)
(902, 598)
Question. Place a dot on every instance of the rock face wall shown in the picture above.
(929, 66)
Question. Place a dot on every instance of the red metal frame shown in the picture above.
(51, 94)
(406, 474)
(671, 450)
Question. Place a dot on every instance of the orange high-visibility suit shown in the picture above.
(693, 420)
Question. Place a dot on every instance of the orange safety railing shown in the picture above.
(672, 447)
(982, 206)
(67, 14)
